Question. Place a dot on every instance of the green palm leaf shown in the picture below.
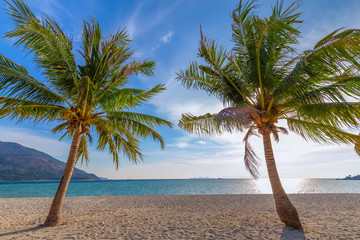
(207, 125)
(333, 114)
(321, 133)
(44, 38)
(126, 98)
(17, 82)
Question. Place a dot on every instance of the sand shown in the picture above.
(324, 216)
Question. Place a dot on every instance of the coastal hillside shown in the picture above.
(19, 163)
(357, 177)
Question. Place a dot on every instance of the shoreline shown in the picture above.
(231, 216)
(181, 195)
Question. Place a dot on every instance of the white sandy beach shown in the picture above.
(324, 216)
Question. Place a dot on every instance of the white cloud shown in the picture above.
(182, 144)
(166, 38)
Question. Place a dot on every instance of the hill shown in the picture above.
(357, 177)
(19, 163)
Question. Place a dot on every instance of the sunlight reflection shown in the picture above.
(291, 185)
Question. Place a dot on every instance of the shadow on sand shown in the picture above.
(292, 234)
(22, 231)
(287, 234)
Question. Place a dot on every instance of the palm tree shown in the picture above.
(84, 98)
(262, 83)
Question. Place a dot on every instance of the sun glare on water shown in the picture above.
(291, 185)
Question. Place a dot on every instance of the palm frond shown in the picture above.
(60, 128)
(15, 108)
(251, 159)
(106, 57)
(116, 141)
(332, 59)
(17, 82)
(83, 152)
(149, 120)
(207, 125)
(275, 132)
(340, 114)
(119, 76)
(126, 98)
(141, 125)
(85, 93)
(334, 91)
(229, 89)
(321, 133)
(195, 78)
(357, 147)
(45, 38)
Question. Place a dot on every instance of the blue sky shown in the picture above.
(168, 32)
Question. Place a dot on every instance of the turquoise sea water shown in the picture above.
(175, 187)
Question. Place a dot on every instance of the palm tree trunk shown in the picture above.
(286, 211)
(55, 210)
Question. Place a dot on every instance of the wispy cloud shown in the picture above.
(163, 40)
(166, 38)
(131, 25)
(139, 23)
(51, 8)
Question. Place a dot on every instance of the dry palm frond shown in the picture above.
(251, 160)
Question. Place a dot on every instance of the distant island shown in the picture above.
(19, 163)
(357, 177)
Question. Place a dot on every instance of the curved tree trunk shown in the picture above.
(286, 211)
(55, 210)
